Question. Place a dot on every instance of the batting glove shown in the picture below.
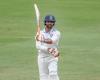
(53, 51)
(39, 37)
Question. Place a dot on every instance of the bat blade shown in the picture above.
(37, 17)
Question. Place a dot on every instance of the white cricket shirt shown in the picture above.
(54, 35)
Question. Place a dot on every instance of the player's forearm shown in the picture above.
(48, 41)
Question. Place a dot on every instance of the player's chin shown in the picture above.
(49, 26)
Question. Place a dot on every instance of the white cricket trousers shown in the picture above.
(48, 68)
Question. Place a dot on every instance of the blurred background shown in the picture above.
(79, 23)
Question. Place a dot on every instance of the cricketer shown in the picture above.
(48, 53)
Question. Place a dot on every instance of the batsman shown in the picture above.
(48, 53)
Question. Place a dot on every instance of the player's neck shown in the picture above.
(47, 29)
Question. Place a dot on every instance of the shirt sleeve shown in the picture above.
(55, 38)
(41, 47)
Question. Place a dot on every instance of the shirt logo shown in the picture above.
(51, 17)
(51, 35)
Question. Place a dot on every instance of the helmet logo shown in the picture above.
(51, 18)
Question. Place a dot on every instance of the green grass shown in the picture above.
(78, 21)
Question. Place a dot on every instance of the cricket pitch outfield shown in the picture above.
(79, 23)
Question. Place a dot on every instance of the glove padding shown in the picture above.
(39, 37)
(53, 51)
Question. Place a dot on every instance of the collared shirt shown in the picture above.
(42, 47)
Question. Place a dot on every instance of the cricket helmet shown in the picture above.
(50, 18)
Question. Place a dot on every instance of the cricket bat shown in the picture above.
(37, 18)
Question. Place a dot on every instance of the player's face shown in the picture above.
(49, 24)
